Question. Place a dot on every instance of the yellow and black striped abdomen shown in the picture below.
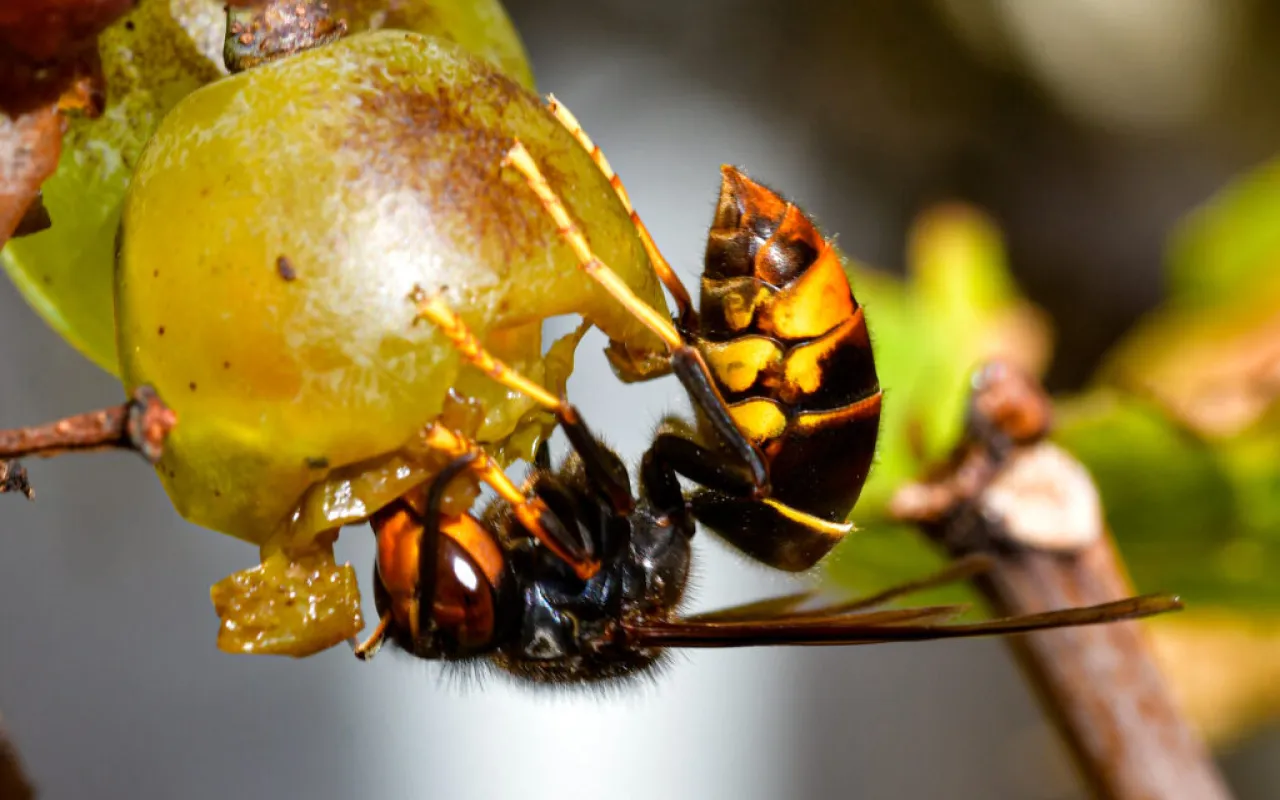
(787, 345)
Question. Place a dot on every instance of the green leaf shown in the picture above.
(1159, 482)
(1224, 250)
(957, 308)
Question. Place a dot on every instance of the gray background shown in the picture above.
(109, 678)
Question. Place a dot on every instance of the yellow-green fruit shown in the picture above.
(155, 56)
(279, 220)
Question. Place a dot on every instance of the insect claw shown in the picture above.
(366, 650)
(512, 152)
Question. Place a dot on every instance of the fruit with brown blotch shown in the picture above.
(277, 223)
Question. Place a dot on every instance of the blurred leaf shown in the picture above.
(1233, 693)
(886, 553)
(1252, 462)
(1229, 247)
(1215, 368)
(1146, 467)
(1190, 473)
(1175, 502)
(1181, 430)
(1193, 514)
(958, 265)
(957, 308)
(968, 309)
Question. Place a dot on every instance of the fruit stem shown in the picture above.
(141, 425)
(261, 31)
(1100, 685)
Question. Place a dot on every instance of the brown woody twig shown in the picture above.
(48, 65)
(14, 784)
(1034, 509)
(141, 425)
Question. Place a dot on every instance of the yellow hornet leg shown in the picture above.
(598, 462)
(519, 158)
(688, 363)
(434, 309)
(665, 273)
(532, 512)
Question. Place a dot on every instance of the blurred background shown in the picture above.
(1086, 129)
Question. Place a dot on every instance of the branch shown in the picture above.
(14, 784)
(1034, 509)
(48, 64)
(141, 425)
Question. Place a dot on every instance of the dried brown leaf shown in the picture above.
(30, 144)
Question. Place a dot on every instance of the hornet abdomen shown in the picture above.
(787, 345)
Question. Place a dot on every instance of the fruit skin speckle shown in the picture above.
(380, 172)
(284, 267)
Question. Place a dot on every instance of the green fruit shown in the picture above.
(152, 58)
(277, 223)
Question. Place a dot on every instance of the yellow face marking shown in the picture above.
(660, 265)
(519, 158)
(817, 420)
(737, 364)
(814, 303)
(434, 308)
(759, 419)
(803, 373)
(833, 530)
